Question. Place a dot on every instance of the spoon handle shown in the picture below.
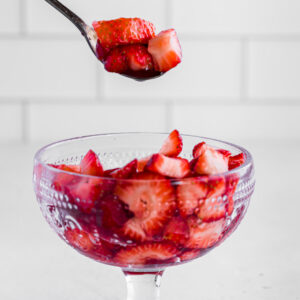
(79, 23)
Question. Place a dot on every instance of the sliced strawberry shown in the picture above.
(129, 58)
(108, 172)
(126, 172)
(231, 185)
(199, 149)
(79, 239)
(172, 146)
(91, 165)
(142, 162)
(214, 206)
(226, 153)
(190, 254)
(165, 50)
(114, 213)
(189, 192)
(204, 235)
(236, 161)
(209, 162)
(144, 253)
(168, 166)
(123, 31)
(152, 200)
(176, 231)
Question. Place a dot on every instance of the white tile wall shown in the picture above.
(237, 16)
(239, 77)
(11, 122)
(9, 16)
(51, 122)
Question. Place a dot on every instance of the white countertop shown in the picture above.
(261, 260)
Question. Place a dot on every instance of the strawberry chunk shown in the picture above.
(125, 172)
(189, 192)
(142, 163)
(204, 235)
(165, 50)
(226, 153)
(190, 254)
(209, 161)
(214, 206)
(231, 185)
(177, 231)
(236, 161)
(172, 146)
(152, 200)
(91, 165)
(129, 58)
(124, 31)
(167, 166)
(142, 254)
(199, 149)
(79, 239)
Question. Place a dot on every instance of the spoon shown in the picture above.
(92, 39)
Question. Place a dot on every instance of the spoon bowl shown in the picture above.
(92, 39)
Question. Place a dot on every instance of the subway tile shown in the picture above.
(209, 69)
(41, 18)
(9, 16)
(274, 70)
(10, 123)
(238, 122)
(51, 122)
(237, 16)
(41, 68)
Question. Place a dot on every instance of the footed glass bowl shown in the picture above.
(175, 220)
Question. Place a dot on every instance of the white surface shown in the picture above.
(261, 260)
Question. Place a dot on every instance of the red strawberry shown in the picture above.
(108, 172)
(176, 231)
(213, 207)
(226, 153)
(124, 31)
(126, 172)
(165, 50)
(142, 163)
(189, 192)
(190, 254)
(141, 254)
(173, 145)
(199, 149)
(79, 239)
(231, 185)
(210, 162)
(129, 58)
(168, 166)
(204, 235)
(114, 213)
(151, 198)
(236, 161)
(91, 165)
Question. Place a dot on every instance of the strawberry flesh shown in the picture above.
(91, 165)
(172, 146)
(168, 166)
(125, 172)
(236, 161)
(177, 231)
(165, 50)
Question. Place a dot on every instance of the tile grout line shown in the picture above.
(244, 69)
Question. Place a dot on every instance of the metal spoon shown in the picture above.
(92, 39)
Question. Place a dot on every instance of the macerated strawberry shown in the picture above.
(124, 59)
(142, 162)
(91, 165)
(165, 50)
(176, 231)
(204, 235)
(236, 161)
(125, 172)
(199, 149)
(141, 254)
(226, 153)
(189, 192)
(168, 166)
(214, 206)
(152, 200)
(210, 162)
(172, 146)
(190, 254)
(107, 173)
(79, 239)
(123, 31)
(231, 184)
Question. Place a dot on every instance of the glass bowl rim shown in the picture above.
(37, 157)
